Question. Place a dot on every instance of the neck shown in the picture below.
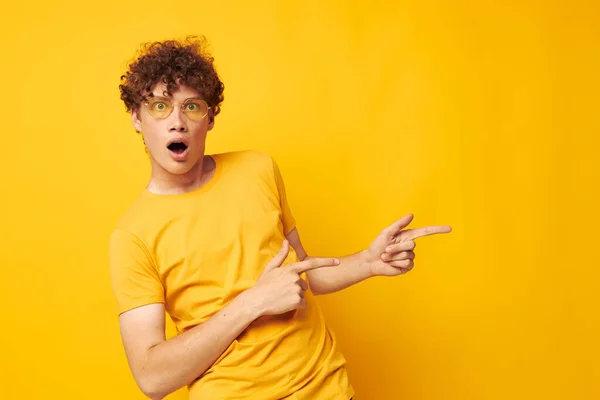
(163, 182)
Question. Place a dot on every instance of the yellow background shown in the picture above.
(478, 114)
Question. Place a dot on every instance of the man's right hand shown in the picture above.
(280, 289)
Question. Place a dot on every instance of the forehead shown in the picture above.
(180, 92)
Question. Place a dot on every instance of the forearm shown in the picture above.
(176, 362)
(352, 269)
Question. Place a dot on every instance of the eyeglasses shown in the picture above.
(161, 108)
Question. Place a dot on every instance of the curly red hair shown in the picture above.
(174, 63)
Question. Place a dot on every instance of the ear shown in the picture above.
(211, 119)
(137, 124)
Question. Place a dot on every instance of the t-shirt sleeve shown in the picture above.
(134, 278)
(289, 223)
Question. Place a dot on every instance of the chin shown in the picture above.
(176, 164)
(179, 168)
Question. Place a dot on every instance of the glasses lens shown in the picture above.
(195, 109)
(159, 108)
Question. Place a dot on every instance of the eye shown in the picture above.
(160, 106)
(192, 107)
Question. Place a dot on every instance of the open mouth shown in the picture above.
(177, 147)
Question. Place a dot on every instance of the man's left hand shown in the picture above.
(392, 252)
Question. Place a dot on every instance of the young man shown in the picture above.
(211, 240)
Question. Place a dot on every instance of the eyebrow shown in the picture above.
(170, 98)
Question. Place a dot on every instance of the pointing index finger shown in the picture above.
(314, 263)
(412, 234)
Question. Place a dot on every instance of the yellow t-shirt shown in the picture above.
(197, 251)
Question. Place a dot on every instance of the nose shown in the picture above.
(177, 122)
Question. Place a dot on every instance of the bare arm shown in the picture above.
(161, 366)
(390, 254)
(352, 269)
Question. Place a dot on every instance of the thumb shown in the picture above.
(400, 224)
(279, 257)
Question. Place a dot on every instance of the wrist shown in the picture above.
(249, 305)
(365, 263)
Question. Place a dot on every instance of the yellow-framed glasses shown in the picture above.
(162, 107)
